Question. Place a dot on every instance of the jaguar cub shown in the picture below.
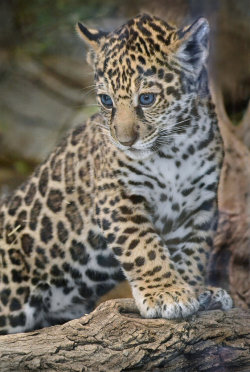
(130, 194)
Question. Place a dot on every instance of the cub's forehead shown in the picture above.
(136, 49)
(143, 34)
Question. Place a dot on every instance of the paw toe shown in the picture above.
(216, 298)
(223, 298)
(177, 303)
(204, 300)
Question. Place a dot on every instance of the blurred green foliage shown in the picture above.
(22, 167)
(44, 13)
(41, 23)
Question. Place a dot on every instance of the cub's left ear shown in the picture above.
(93, 38)
(193, 49)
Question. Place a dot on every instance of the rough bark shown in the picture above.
(115, 338)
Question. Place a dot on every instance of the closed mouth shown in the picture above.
(138, 154)
(139, 148)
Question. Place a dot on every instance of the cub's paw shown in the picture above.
(215, 298)
(171, 303)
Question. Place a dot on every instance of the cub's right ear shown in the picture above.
(94, 38)
(193, 49)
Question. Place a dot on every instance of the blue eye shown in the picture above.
(146, 99)
(106, 100)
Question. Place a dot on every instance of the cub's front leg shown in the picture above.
(158, 289)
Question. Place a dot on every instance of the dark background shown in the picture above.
(46, 86)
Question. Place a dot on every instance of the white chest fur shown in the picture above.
(173, 184)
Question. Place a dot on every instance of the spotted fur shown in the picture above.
(130, 194)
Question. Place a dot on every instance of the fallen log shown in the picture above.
(115, 338)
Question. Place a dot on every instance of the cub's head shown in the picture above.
(148, 77)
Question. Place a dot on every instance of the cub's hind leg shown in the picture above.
(20, 320)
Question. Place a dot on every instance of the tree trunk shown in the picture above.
(230, 259)
(115, 338)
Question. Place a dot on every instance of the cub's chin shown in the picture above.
(138, 154)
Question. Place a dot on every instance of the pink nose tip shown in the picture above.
(130, 142)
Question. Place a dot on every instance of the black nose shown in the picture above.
(130, 142)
